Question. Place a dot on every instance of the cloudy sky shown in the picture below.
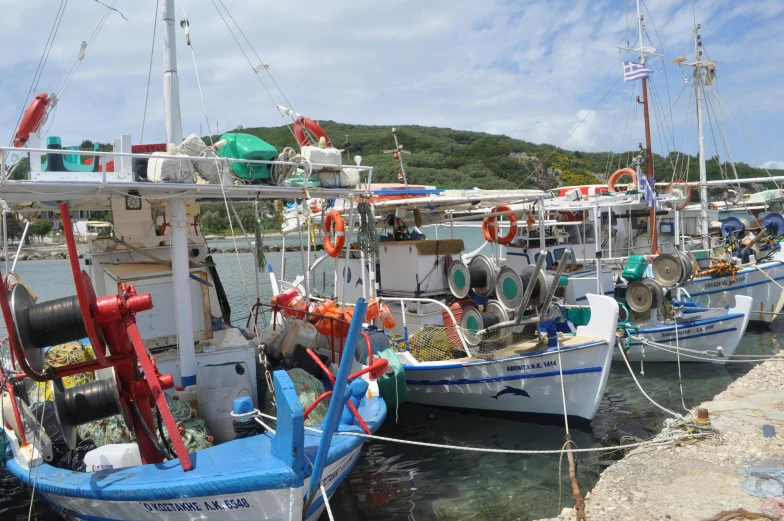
(530, 69)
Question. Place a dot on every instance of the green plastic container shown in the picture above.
(247, 146)
(635, 268)
(579, 316)
(392, 386)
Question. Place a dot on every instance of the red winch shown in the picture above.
(135, 386)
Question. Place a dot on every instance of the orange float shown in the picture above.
(619, 174)
(32, 119)
(301, 124)
(333, 250)
(488, 227)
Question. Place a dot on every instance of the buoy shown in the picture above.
(32, 120)
(618, 174)
(301, 124)
(333, 250)
(489, 231)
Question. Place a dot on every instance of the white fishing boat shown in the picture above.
(150, 310)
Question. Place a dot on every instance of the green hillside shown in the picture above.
(463, 159)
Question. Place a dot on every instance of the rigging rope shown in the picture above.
(149, 74)
(41, 64)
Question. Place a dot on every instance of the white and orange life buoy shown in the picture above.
(32, 120)
(333, 250)
(617, 175)
(301, 124)
(488, 227)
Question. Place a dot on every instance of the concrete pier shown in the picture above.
(700, 479)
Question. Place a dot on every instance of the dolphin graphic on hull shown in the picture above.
(512, 391)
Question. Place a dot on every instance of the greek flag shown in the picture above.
(648, 193)
(635, 71)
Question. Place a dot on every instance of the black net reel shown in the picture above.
(45, 324)
(479, 275)
(85, 403)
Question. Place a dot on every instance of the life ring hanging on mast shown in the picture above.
(333, 250)
(302, 124)
(33, 118)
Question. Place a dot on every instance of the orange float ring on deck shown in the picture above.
(488, 227)
(333, 250)
(301, 124)
(619, 174)
(32, 119)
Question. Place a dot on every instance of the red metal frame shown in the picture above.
(111, 320)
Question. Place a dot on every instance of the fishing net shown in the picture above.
(193, 429)
(58, 356)
(308, 389)
(433, 343)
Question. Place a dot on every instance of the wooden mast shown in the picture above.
(649, 165)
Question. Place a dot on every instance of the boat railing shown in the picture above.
(125, 165)
(458, 334)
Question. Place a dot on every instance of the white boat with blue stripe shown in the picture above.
(526, 376)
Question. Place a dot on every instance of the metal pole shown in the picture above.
(5, 237)
(336, 402)
(21, 242)
(182, 290)
(701, 138)
(171, 81)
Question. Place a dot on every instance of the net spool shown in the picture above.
(668, 270)
(642, 295)
(85, 403)
(542, 280)
(479, 275)
(45, 324)
(773, 222)
(733, 225)
(474, 320)
(689, 266)
(509, 288)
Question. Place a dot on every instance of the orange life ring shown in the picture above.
(333, 250)
(619, 174)
(32, 119)
(302, 123)
(488, 227)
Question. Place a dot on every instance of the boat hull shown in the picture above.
(763, 285)
(526, 383)
(523, 384)
(703, 334)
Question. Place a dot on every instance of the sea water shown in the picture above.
(405, 482)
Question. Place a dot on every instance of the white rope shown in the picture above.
(323, 491)
(631, 372)
(708, 357)
(680, 376)
(664, 440)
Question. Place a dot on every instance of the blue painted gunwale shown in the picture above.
(233, 467)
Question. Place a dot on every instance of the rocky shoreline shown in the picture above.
(709, 479)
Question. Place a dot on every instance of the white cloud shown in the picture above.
(530, 69)
(773, 165)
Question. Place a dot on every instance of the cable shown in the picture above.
(41, 63)
(149, 74)
(538, 167)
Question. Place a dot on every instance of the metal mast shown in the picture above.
(177, 208)
(703, 170)
(171, 82)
